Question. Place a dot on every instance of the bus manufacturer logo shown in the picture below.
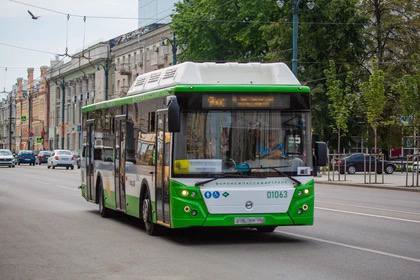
(225, 194)
(249, 205)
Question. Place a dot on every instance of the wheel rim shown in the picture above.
(352, 170)
(389, 169)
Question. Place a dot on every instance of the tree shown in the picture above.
(340, 98)
(408, 87)
(375, 99)
(392, 32)
(220, 30)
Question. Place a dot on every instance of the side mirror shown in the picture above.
(173, 114)
(321, 154)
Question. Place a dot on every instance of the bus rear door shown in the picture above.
(163, 140)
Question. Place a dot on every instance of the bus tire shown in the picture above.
(266, 229)
(105, 212)
(146, 214)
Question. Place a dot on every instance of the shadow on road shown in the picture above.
(207, 236)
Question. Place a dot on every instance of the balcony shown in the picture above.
(124, 69)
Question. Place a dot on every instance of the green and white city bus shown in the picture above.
(204, 145)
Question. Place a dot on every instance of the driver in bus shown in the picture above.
(273, 150)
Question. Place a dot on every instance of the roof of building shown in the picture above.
(210, 73)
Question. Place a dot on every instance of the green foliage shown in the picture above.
(408, 87)
(340, 98)
(374, 96)
(220, 30)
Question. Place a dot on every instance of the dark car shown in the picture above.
(357, 163)
(42, 157)
(26, 156)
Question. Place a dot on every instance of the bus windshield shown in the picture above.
(235, 141)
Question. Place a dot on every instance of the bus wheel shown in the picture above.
(146, 213)
(266, 229)
(102, 209)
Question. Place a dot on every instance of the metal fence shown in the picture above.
(370, 164)
(335, 171)
(412, 170)
(373, 168)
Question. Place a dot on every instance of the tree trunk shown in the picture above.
(376, 139)
(339, 138)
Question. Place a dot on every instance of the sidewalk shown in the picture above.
(396, 181)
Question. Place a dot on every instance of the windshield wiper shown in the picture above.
(225, 175)
(279, 172)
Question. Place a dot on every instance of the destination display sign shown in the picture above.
(272, 101)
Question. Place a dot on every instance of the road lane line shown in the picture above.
(350, 246)
(368, 207)
(368, 215)
(56, 186)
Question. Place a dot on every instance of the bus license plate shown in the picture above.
(249, 221)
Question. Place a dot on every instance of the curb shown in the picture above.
(393, 188)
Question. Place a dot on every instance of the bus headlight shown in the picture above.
(305, 207)
(187, 209)
(306, 191)
(185, 193)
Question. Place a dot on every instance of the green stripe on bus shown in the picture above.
(195, 89)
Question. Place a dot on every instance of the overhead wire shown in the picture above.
(77, 15)
(203, 20)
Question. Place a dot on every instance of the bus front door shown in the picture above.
(89, 157)
(119, 163)
(163, 140)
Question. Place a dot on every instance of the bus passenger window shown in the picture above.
(152, 120)
(97, 154)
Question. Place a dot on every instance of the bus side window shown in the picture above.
(130, 143)
(152, 120)
(97, 155)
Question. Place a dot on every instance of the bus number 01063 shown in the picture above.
(276, 194)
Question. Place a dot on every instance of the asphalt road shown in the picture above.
(48, 231)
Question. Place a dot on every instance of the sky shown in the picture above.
(48, 33)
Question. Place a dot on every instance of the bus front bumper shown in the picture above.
(187, 212)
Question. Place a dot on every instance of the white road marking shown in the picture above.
(368, 215)
(351, 246)
(64, 187)
(373, 208)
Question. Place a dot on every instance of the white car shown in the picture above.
(61, 158)
(6, 158)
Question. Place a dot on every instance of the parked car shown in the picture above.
(26, 156)
(61, 158)
(42, 157)
(356, 163)
(7, 158)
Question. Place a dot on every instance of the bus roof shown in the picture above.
(192, 77)
(210, 73)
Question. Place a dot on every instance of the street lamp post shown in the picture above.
(174, 48)
(295, 32)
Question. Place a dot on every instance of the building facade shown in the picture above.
(153, 11)
(83, 80)
(32, 111)
(7, 121)
(143, 50)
